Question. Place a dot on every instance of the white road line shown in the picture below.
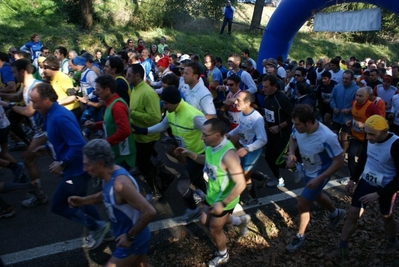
(76, 243)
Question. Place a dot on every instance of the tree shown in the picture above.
(257, 15)
(86, 9)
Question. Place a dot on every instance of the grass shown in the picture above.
(19, 20)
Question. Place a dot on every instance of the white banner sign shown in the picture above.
(361, 20)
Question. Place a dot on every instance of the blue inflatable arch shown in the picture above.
(289, 17)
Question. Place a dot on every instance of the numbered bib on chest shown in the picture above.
(269, 114)
(373, 178)
(234, 117)
(356, 127)
(308, 159)
(210, 171)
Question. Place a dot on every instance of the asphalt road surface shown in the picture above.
(36, 237)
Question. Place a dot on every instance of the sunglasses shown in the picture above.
(13, 52)
(297, 75)
(230, 84)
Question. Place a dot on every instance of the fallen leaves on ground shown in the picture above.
(264, 245)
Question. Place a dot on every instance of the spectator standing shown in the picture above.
(228, 13)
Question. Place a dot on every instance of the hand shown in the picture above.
(313, 183)
(75, 201)
(55, 168)
(139, 130)
(83, 100)
(216, 208)
(336, 111)
(242, 152)
(349, 123)
(122, 241)
(181, 151)
(89, 124)
(291, 161)
(349, 188)
(274, 129)
(369, 198)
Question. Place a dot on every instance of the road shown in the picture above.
(36, 237)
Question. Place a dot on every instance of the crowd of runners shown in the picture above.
(100, 116)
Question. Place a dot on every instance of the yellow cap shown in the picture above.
(41, 59)
(377, 122)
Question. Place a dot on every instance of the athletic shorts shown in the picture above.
(363, 188)
(251, 158)
(221, 214)
(139, 246)
(4, 135)
(338, 126)
(310, 194)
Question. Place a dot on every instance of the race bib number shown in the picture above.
(180, 141)
(308, 159)
(357, 126)
(210, 171)
(269, 114)
(325, 96)
(234, 117)
(373, 178)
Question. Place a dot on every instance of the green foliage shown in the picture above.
(389, 30)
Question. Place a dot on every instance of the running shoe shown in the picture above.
(191, 215)
(276, 182)
(7, 212)
(245, 219)
(99, 234)
(249, 201)
(218, 260)
(296, 243)
(34, 199)
(334, 221)
(90, 242)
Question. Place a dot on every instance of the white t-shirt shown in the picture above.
(4, 122)
(337, 76)
(317, 149)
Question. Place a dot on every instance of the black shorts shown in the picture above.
(221, 214)
(363, 188)
(4, 135)
(338, 126)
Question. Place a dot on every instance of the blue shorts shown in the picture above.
(139, 246)
(251, 158)
(364, 188)
(310, 194)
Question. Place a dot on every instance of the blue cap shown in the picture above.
(79, 61)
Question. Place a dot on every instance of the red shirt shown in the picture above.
(120, 114)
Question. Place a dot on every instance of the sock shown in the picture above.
(334, 213)
(235, 220)
(393, 240)
(222, 252)
(257, 176)
(343, 244)
(9, 187)
(301, 236)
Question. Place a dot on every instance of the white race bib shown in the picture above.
(356, 127)
(373, 178)
(269, 114)
(210, 171)
(308, 159)
(234, 117)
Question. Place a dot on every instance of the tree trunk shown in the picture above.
(86, 9)
(257, 16)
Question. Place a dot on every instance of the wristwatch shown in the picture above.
(63, 164)
(130, 238)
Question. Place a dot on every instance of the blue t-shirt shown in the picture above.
(6, 74)
(33, 48)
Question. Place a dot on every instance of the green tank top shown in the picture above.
(220, 183)
(125, 150)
